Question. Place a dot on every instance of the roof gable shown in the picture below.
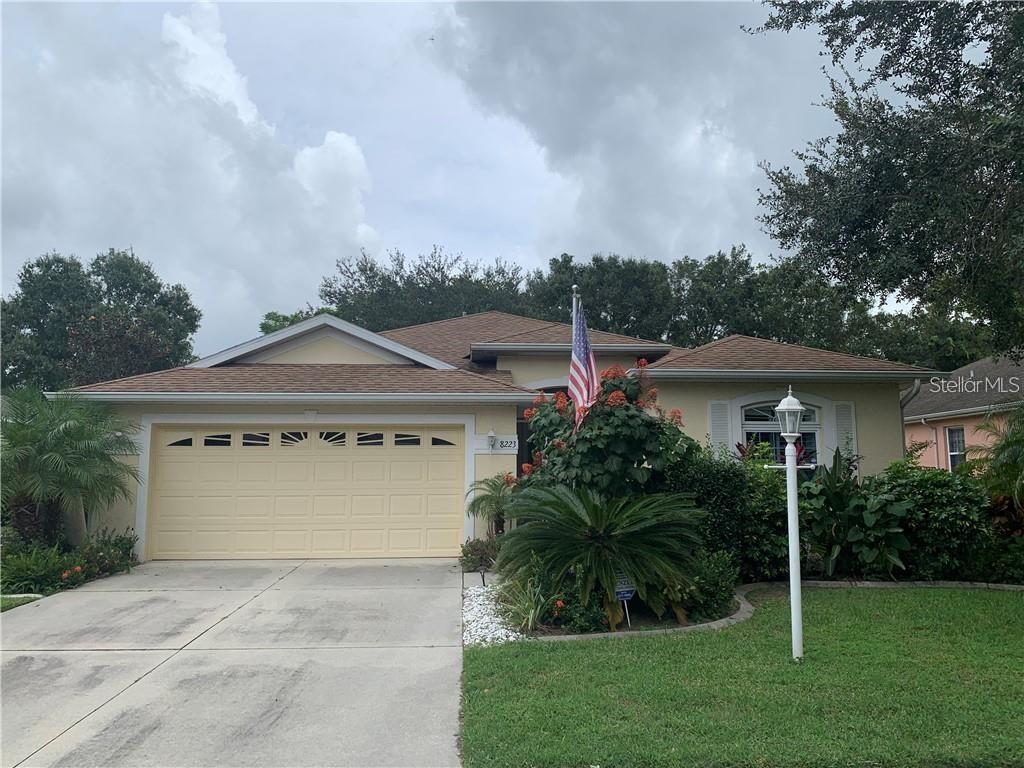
(261, 348)
(452, 340)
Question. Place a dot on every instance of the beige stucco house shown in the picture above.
(328, 440)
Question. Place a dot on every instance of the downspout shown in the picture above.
(903, 404)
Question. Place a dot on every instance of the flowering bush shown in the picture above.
(622, 446)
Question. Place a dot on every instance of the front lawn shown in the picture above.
(6, 603)
(902, 677)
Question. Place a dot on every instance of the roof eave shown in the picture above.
(397, 398)
(976, 411)
(727, 374)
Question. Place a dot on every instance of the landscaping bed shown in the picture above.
(892, 677)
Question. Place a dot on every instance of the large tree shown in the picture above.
(67, 325)
(921, 192)
(623, 295)
(399, 291)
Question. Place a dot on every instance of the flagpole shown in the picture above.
(575, 305)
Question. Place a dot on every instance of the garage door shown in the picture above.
(329, 491)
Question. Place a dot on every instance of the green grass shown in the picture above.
(6, 603)
(903, 677)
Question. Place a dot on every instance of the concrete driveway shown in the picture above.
(256, 663)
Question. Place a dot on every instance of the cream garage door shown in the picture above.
(323, 491)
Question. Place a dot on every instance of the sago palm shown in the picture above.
(651, 540)
(489, 500)
(64, 451)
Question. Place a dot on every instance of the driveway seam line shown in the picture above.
(150, 671)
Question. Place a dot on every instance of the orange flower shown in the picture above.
(676, 417)
(652, 394)
(559, 603)
(559, 444)
(527, 469)
(561, 401)
(614, 372)
(529, 413)
(538, 457)
(642, 362)
(65, 575)
(540, 399)
(78, 569)
(510, 479)
(617, 398)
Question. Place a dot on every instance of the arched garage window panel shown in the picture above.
(760, 425)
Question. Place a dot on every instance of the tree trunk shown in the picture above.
(74, 526)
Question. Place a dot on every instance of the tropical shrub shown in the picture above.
(947, 520)
(622, 446)
(745, 505)
(39, 570)
(65, 452)
(650, 540)
(857, 527)
(574, 614)
(711, 590)
(489, 500)
(526, 598)
(43, 570)
(107, 552)
(999, 561)
(1002, 463)
(479, 553)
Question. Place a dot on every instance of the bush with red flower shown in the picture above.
(622, 446)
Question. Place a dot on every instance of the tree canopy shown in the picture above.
(66, 324)
(920, 194)
(687, 302)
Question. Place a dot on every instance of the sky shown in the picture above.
(243, 148)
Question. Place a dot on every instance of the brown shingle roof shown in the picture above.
(309, 379)
(746, 353)
(995, 383)
(450, 340)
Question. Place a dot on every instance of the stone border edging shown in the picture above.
(26, 594)
(746, 610)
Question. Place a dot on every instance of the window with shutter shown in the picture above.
(846, 428)
(718, 423)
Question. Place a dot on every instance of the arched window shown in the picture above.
(760, 425)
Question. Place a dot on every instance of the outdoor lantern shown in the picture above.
(789, 412)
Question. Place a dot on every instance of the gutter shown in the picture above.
(976, 411)
(394, 398)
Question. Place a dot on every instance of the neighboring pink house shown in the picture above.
(946, 412)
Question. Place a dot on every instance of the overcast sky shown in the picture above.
(243, 148)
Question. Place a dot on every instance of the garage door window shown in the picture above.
(402, 438)
(182, 442)
(333, 438)
(255, 439)
(293, 439)
(218, 440)
(369, 438)
(435, 440)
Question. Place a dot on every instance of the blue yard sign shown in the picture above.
(624, 588)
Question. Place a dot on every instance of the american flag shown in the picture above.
(584, 383)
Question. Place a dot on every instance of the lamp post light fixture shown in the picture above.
(789, 412)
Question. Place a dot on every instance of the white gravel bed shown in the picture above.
(481, 624)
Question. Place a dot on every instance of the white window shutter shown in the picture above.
(846, 428)
(718, 423)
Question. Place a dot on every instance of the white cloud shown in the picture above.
(161, 148)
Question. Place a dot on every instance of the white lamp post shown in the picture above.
(789, 412)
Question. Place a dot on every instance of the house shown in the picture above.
(944, 415)
(327, 440)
